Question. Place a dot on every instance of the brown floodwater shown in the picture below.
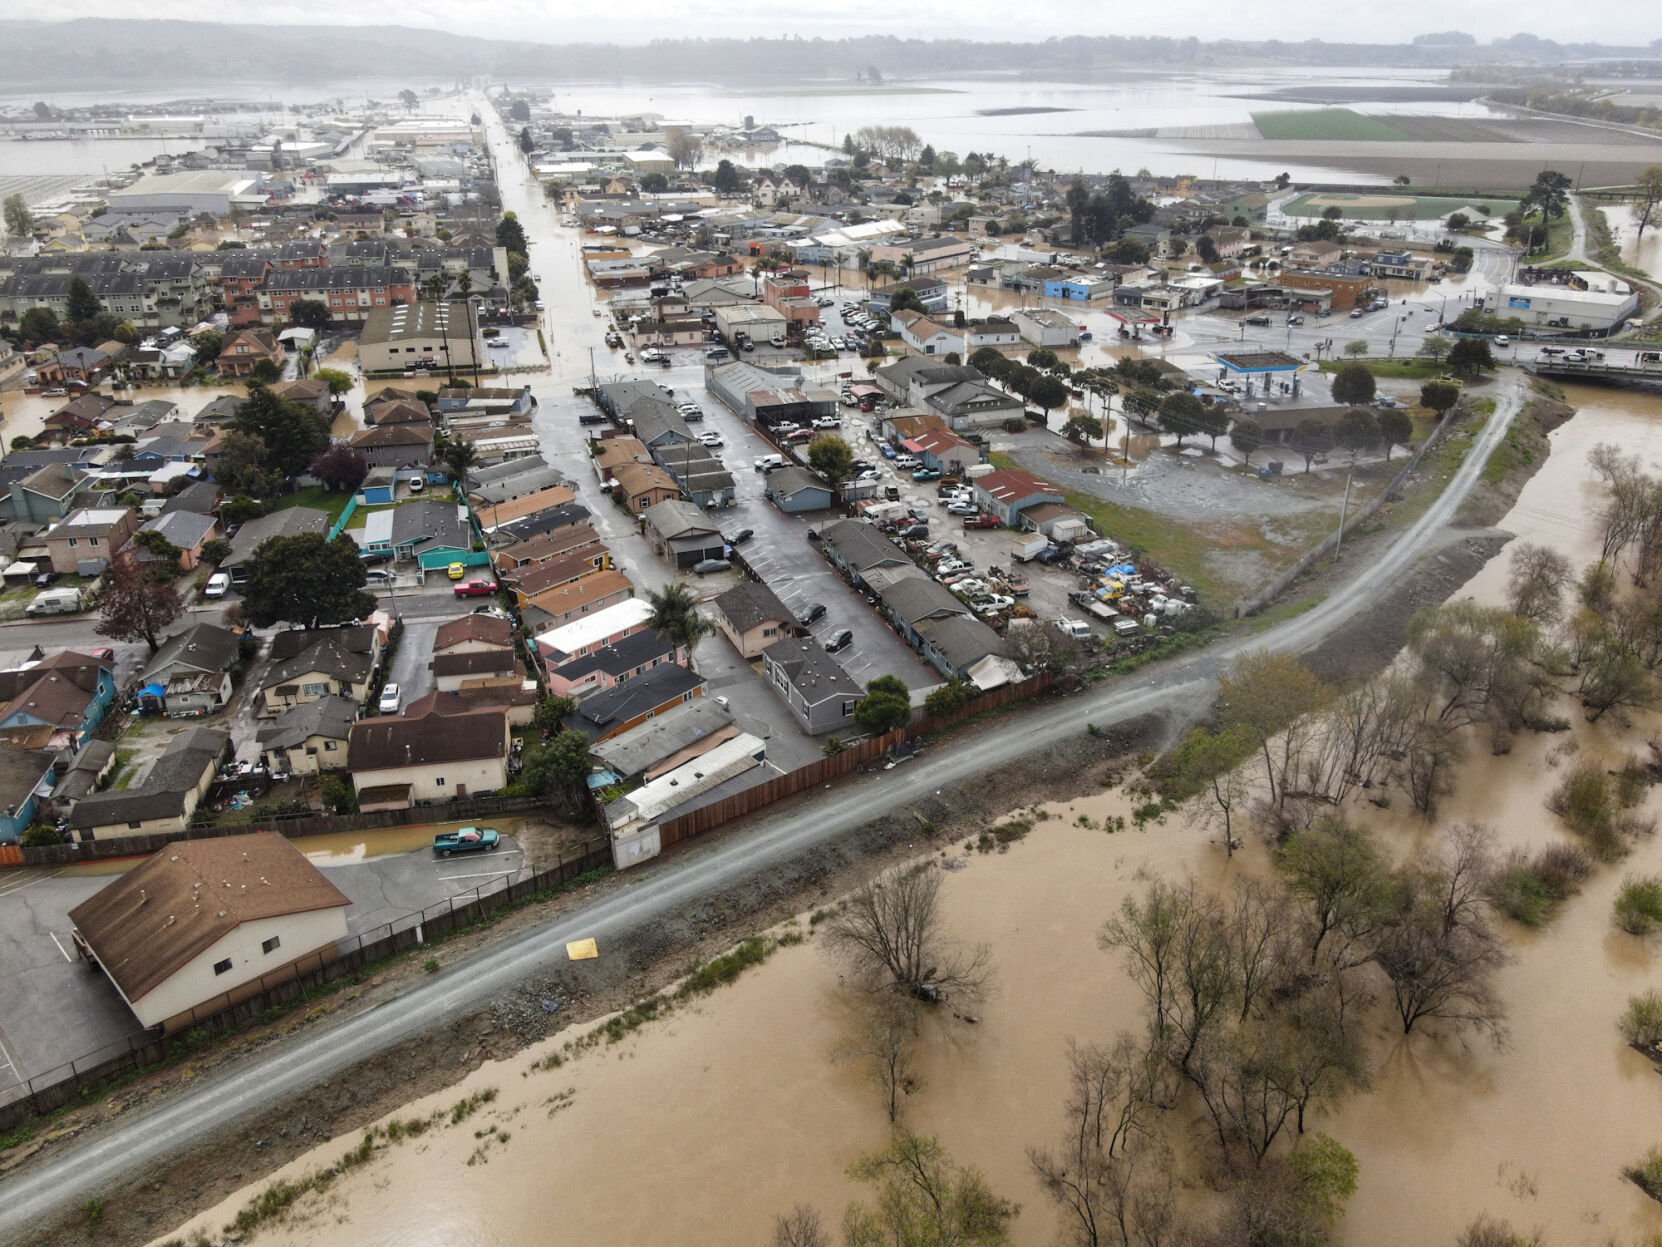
(737, 1108)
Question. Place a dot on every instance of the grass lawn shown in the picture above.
(319, 498)
(1325, 123)
(1423, 207)
(1560, 234)
(1411, 369)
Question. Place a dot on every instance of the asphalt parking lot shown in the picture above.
(522, 350)
(54, 1008)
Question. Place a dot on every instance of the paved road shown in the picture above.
(149, 1137)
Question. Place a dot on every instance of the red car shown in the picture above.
(475, 589)
(983, 521)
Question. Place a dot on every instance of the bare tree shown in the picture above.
(1428, 763)
(1439, 951)
(890, 930)
(1535, 588)
(1111, 1175)
(1245, 1084)
(800, 1227)
(888, 1026)
(1271, 697)
(1256, 927)
(1336, 870)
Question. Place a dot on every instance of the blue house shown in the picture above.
(25, 776)
(1078, 289)
(377, 489)
(56, 703)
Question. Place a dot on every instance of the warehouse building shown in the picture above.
(212, 191)
(1589, 301)
(437, 336)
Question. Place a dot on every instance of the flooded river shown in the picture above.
(736, 1109)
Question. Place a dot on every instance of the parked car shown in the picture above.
(475, 589)
(711, 439)
(708, 567)
(717, 353)
(1502, 340)
(767, 463)
(906, 462)
(887, 451)
(927, 474)
(218, 585)
(811, 613)
(740, 537)
(827, 422)
(389, 700)
(979, 520)
(466, 840)
(963, 508)
(776, 341)
(379, 576)
(799, 436)
(456, 571)
(838, 641)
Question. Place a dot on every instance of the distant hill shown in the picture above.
(89, 52)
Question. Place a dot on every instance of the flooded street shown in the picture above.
(736, 1108)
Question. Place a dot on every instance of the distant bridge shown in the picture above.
(1626, 371)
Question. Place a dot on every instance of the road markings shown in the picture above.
(490, 874)
(61, 948)
(8, 888)
(10, 1064)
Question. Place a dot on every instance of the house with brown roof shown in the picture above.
(610, 665)
(244, 350)
(473, 634)
(77, 418)
(309, 739)
(308, 391)
(563, 603)
(429, 754)
(534, 578)
(193, 929)
(496, 515)
(1007, 494)
(455, 671)
(643, 485)
(579, 538)
(752, 617)
(396, 410)
(612, 453)
(55, 703)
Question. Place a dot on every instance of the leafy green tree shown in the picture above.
(39, 324)
(1246, 436)
(950, 698)
(829, 455)
(408, 98)
(1353, 384)
(243, 466)
(527, 144)
(1047, 392)
(207, 345)
(558, 770)
(1312, 438)
(551, 713)
(293, 434)
(1082, 428)
(310, 314)
(726, 178)
(1470, 356)
(157, 545)
(216, 551)
(1357, 431)
(308, 580)
(19, 220)
(510, 234)
(82, 304)
(675, 615)
(1435, 347)
(923, 1200)
(460, 458)
(988, 360)
(1180, 415)
(1549, 193)
(905, 299)
(1439, 396)
(338, 380)
(1395, 428)
(519, 109)
(886, 706)
(1356, 347)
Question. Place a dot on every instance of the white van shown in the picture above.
(767, 463)
(218, 584)
(1076, 628)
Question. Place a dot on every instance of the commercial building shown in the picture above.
(432, 336)
(1588, 301)
(213, 192)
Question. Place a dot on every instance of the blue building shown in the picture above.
(58, 702)
(25, 776)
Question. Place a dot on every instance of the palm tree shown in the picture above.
(675, 615)
(460, 457)
(434, 287)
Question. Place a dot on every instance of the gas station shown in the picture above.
(1268, 374)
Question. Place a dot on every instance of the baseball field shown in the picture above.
(1381, 205)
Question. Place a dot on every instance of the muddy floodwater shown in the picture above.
(700, 1128)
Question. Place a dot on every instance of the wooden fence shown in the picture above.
(307, 824)
(75, 1079)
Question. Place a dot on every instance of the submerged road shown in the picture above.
(149, 1137)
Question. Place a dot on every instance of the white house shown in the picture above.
(196, 926)
(926, 336)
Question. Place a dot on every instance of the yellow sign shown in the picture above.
(582, 950)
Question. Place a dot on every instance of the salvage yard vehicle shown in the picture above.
(467, 840)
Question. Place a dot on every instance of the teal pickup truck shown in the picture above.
(467, 840)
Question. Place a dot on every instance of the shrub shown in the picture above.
(431, 965)
(1642, 1022)
(1639, 906)
(1563, 868)
(1587, 800)
(1486, 1233)
(1648, 1173)
(1529, 890)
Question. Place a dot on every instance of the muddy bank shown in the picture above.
(641, 963)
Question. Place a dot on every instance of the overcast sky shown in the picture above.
(637, 21)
